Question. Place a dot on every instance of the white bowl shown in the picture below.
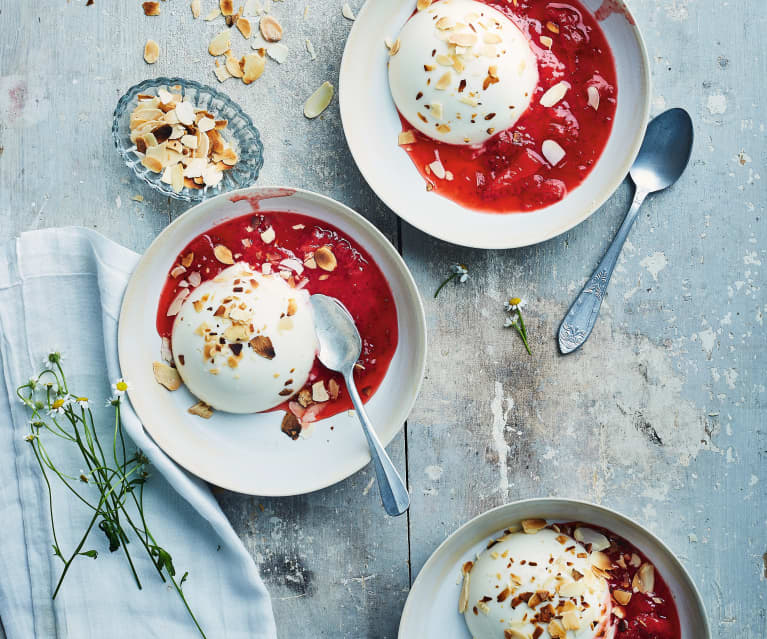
(371, 125)
(249, 453)
(431, 610)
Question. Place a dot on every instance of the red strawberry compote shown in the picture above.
(506, 105)
(249, 254)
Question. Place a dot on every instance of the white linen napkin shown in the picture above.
(61, 289)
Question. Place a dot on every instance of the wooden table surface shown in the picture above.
(661, 415)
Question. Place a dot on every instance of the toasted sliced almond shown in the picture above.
(201, 409)
(394, 49)
(153, 164)
(178, 301)
(463, 599)
(234, 67)
(167, 376)
(570, 620)
(177, 271)
(547, 42)
(444, 82)
(151, 8)
(557, 630)
(223, 254)
(196, 7)
(445, 23)
(619, 612)
(253, 67)
(334, 389)
(423, 4)
(151, 52)
(220, 43)
(237, 333)
(325, 258)
(622, 597)
(554, 94)
(319, 392)
(491, 38)
(347, 12)
(194, 278)
(227, 7)
(270, 29)
(463, 38)
(177, 177)
(593, 94)
(406, 137)
(532, 526)
(437, 110)
(187, 260)
(589, 536)
(262, 345)
(601, 560)
(310, 49)
(644, 580)
(244, 26)
(554, 154)
(319, 100)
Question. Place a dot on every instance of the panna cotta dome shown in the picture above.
(545, 585)
(244, 342)
(462, 72)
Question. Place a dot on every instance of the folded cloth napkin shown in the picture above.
(61, 289)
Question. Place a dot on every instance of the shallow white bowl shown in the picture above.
(371, 125)
(431, 610)
(249, 453)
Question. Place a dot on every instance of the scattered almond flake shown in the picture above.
(589, 536)
(177, 271)
(553, 152)
(554, 94)
(319, 392)
(463, 39)
(166, 175)
(196, 8)
(234, 67)
(223, 254)
(175, 305)
(532, 526)
(151, 8)
(212, 176)
(552, 27)
(253, 67)
(213, 14)
(278, 52)
(645, 578)
(165, 96)
(189, 141)
(347, 12)
(622, 596)
(449, 176)
(547, 42)
(436, 110)
(394, 49)
(151, 52)
(177, 177)
(268, 236)
(437, 169)
(194, 278)
(293, 264)
(310, 49)
(222, 73)
(423, 4)
(593, 94)
(270, 28)
(444, 60)
(262, 345)
(244, 27)
(325, 258)
(444, 82)
(206, 124)
(165, 351)
(221, 43)
(466, 99)
(185, 113)
(227, 7)
(445, 23)
(201, 409)
(319, 100)
(388, 43)
(167, 376)
(406, 137)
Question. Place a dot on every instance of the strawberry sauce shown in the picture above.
(356, 281)
(508, 173)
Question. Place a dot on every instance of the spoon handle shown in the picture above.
(580, 319)
(393, 491)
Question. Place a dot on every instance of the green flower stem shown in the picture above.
(522, 330)
(450, 278)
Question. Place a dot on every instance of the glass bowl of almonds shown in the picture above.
(185, 139)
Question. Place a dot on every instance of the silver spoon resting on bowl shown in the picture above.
(661, 161)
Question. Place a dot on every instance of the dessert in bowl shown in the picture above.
(494, 124)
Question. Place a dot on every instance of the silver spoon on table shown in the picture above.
(340, 347)
(661, 161)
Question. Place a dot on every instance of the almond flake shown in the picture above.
(270, 28)
(177, 271)
(319, 393)
(423, 4)
(444, 60)
(406, 137)
(319, 100)
(463, 39)
(167, 376)
(593, 94)
(262, 345)
(212, 15)
(267, 237)
(532, 526)
(646, 578)
(347, 12)
(221, 43)
(436, 110)
(253, 67)
(278, 52)
(463, 599)
(196, 8)
(151, 52)
(227, 7)
(178, 301)
(310, 49)
(554, 154)
(622, 597)
(334, 389)
(244, 27)
(588, 536)
(187, 260)
(234, 68)
(153, 164)
(547, 42)
(325, 258)
(194, 278)
(201, 409)
(394, 47)
(151, 8)
(165, 350)
(444, 82)
(223, 254)
(177, 177)
(491, 38)
(570, 620)
(437, 169)
(445, 23)
(554, 94)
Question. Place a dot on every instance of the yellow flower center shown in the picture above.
(121, 386)
(82, 399)
(514, 301)
(58, 403)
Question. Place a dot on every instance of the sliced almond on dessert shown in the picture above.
(445, 23)
(444, 82)
(406, 137)
(644, 579)
(553, 153)
(570, 620)
(589, 536)
(262, 345)
(201, 409)
(305, 398)
(292, 307)
(622, 597)
(319, 100)
(166, 376)
(547, 42)
(151, 52)
(268, 236)
(223, 254)
(423, 4)
(554, 94)
(513, 633)
(187, 259)
(437, 169)
(394, 48)
(196, 7)
(253, 67)
(175, 305)
(220, 43)
(532, 526)
(319, 392)
(151, 8)
(334, 389)
(325, 258)
(601, 560)
(463, 39)
(236, 333)
(177, 271)
(463, 599)
(270, 29)
(619, 612)
(557, 630)
(593, 94)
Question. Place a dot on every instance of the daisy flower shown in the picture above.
(83, 402)
(119, 387)
(59, 406)
(457, 272)
(515, 304)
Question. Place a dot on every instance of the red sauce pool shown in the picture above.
(649, 615)
(357, 282)
(508, 173)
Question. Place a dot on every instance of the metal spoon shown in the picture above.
(661, 161)
(340, 347)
